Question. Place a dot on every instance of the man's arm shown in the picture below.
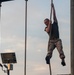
(48, 28)
(54, 13)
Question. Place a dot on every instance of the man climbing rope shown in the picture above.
(54, 41)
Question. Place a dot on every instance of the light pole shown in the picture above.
(25, 36)
(8, 68)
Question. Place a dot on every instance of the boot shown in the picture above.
(63, 62)
(47, 60)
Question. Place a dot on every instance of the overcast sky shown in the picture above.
(12, 31)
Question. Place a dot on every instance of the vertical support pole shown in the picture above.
(72, 37)
(8, 72)
(0, 10)
(0, 23)
(25, 35)
(8, 69)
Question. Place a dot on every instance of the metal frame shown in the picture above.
(8, 58)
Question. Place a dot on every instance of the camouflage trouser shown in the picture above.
(58, 44)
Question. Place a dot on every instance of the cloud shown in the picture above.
(12, 43)
(38, 52)
(36, 68)
(8, 50)
(37, 43)
(42, 68)
(12, 37)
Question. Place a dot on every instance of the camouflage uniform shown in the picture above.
(54, 41)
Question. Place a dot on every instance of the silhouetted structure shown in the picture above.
(3, 1)
(63, 74)
(72, 37)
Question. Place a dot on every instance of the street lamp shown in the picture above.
(25, 36)
(8, 58)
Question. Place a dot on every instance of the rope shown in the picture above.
(50, 69)
(51, 11)
(25, 36)
(51, 17)
(50, 36)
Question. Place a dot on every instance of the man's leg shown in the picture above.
(51, 47)
(61, 53)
